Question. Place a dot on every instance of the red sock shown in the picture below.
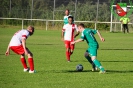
(68, 55)
(31, 63)
(24, 63)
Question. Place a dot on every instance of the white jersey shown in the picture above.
(69, 31)
(18, 36)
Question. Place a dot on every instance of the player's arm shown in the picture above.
(24, 45)
(76, 31)
(62, 35)
(7, 51)
(76, 34)
(79, 40)
(121, 20)
(100, 36)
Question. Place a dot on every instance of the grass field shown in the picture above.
(53, 71)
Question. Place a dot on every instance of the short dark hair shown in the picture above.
(82, 25)
(70, 17)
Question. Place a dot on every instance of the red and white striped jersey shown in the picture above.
(69, 30)
(18, 36)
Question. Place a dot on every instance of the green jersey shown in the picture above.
(66, 19)
(88, 35)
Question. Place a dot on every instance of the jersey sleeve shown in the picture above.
(63, 29)
(25, 35)
(94, 31)
(82, 36)
(121, 19)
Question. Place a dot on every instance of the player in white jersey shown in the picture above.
(18, 45)
(68, 36)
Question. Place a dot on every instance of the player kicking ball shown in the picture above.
(88, 35)
(68, 35)
(18, 45)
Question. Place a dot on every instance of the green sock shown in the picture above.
(98, 64)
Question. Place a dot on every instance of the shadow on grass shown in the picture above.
(115, 49)
(44, 44)
(74, 71)
(116, 61)
(115, 71)
(69, 71)
(89, 71)
(86, 71)
(107, 71)
(100, 61)
(4, 54)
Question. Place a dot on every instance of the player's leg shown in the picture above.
(87, 56)
(72, 46)
(19, 50)
(30, 61)
(127, 28)
(93, 53)
(67, 45)
(98, 64)
(23, 61)
(124, 28)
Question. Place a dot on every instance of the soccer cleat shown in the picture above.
(94, 69)
(31, 71)
(102, 72)
(68, 61)
(26, 69)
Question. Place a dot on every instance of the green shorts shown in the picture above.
(92, 51)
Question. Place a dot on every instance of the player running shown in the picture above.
(88, 35)
(68, 36)
(18, 45)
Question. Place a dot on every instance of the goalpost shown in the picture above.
(117, 22)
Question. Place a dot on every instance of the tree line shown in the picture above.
(43, 9)
(86, 10)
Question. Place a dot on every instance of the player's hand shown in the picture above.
(102, 39)
(7, 53)
(26, 52)
(73, 42)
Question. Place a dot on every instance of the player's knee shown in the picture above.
(86, 54)
(67, 49)
(30, 55)
(23, 56)
(71, 51)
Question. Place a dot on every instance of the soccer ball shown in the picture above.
(79, 67)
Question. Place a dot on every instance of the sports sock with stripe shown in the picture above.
(98, 64)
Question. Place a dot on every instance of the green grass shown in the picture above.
(53, 71)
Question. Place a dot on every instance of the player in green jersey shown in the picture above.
(88, 35)
(67, 14)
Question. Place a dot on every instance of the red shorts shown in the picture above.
(17, 49)
(69, 45)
